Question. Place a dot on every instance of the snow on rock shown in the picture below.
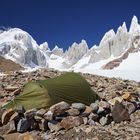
(19, 46)
(76, 52)
(58, 51)
(134, 27)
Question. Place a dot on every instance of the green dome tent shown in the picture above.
(70, 87)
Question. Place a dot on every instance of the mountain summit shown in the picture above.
(114, 53)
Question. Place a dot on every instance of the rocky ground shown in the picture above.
(7, 65)
(116, 116)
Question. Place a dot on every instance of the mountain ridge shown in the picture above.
(18, 46)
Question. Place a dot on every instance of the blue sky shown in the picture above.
(62, 22)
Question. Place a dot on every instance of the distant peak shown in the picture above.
(122, 29)
(83, 41)
(134, 19)
(134, 27)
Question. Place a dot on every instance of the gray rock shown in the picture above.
(91, 122)
(93, 117)
(79, 106)
(54, 126)
(23, 125)
(48, 115)
(30, 113)
(59, 108)
(130, 106)
(20, 109)
(41, 112)
(103, 104)
(43, 125)
(103, 121)
(94, 107)
(85, 120)
(73, 112)
(100, 110)
(38, 118)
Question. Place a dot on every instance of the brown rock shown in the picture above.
(126, 96)
(70, 122)
(14, 116)
(120, 113)
(7, 115)
(87, 111)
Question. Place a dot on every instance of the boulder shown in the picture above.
(130, 106)
(87, 111)
(73, 112)
(120, 113)
(79, 106)
(103, 121)
(103, 104)
(54, 126)
(70, 122)
(48, 115)
(41, 112)
(94, 107)
(43, 125)
(30, 113)
(23, 125)
(38, 118)
(59, 108)
(94, 117)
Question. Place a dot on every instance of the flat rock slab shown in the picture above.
(120, 113)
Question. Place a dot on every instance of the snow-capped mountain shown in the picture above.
(19, 46)
(116, 52)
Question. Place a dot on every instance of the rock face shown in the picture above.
(76, 52)
(20, 47)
